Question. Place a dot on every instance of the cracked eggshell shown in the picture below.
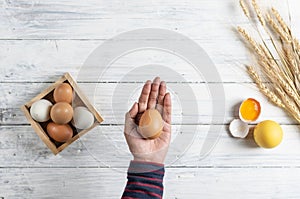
(238, 128)
(250, 110)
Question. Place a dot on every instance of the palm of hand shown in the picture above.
(153, 96)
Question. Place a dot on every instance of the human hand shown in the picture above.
(153, 96)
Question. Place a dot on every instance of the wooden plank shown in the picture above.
(105, 146)
(19, 62)
(74, 20)
(101, 97)
(101, 19)
(179, 183)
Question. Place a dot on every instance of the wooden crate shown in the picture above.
(79, 100)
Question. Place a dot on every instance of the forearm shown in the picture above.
(145, 180)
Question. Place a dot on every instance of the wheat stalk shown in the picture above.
(283, 75)
(263, 88)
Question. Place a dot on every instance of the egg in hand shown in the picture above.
(150, 124)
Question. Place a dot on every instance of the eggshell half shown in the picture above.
(238, 128)
(250, 110)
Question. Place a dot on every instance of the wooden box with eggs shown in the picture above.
(61, 114)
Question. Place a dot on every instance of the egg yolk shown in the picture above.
(250, 109)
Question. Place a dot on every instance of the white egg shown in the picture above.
(40, 110)
(82, 118)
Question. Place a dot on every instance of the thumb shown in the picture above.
(131, 115)
(134, 110)
(130, 130)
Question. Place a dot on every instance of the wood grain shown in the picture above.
(41, 40)
(179, 183)
(105, 146)
(68, 56)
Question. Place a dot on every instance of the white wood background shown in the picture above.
(42, 39)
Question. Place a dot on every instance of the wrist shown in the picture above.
(146, 167)
(137, 161)
(148, 159)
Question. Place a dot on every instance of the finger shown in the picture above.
(167, 108)
(162, 92)
(143, 100)
(161, 95)
(154, 93)
(134, 110)
(130, 126)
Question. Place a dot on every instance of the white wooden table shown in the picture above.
(42, 39)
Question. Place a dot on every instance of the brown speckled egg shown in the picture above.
(59, 132)
(151, 124)
(63, 93)
(61, 113)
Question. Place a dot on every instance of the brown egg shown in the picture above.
(63, 93)
(151, 124)
(59, 132)
(61, 113)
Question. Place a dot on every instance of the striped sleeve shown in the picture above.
(144, 180)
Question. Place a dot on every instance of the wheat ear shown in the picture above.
(289, 104)
(263, 88)
(244, 8)
(278, 29)
(258, 13)
(280, 21)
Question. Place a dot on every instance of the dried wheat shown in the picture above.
(280, 20)
(263, 88)
(258, 13)
(244, 8)
(277, 29)
(283, 75)
(289, 104)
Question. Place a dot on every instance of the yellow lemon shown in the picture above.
(268, 134)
